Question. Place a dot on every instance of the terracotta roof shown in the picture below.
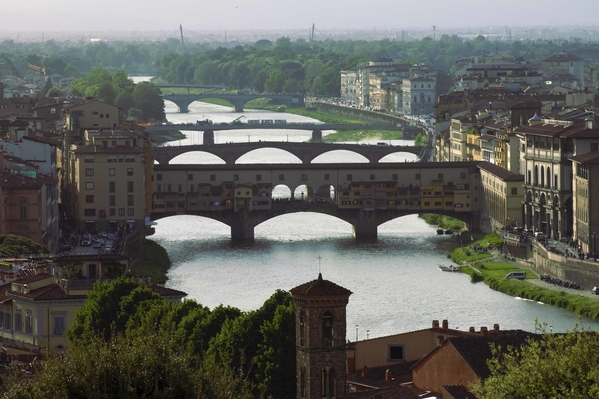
(33, 279)
(10, 180)
(500, 172)
(320, 287)
(47, 293)
(3, 293)
(589, 157)
(477, 350)
(167, 292)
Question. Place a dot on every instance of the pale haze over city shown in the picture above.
(155, 15)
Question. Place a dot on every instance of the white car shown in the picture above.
(108, 246)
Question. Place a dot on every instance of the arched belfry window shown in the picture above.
(303, 390)
(327, 329)
(327, 383)
(302, 328)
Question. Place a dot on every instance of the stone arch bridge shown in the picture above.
(237, 100)
(364, 195)
(306, 152)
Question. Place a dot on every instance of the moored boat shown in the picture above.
(440, 231)
(445, 268)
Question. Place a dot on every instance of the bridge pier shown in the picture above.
(241, 228)
(208, 137)
(366, 228)
(317, 136)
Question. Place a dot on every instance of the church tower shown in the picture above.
(320, 327)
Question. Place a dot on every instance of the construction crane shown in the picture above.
(41, 70)
(237, 121)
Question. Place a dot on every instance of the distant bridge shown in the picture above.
(306, 152)
(237, 100)
(188, 86)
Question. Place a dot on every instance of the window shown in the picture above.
(396, 353)
(417, 176)
(304, 177)
(89, 212)
(179, 188)
(327, 176)
(212, 177)
(7, 320)
(89, 199)
(130, 200)
(129, 211)
(129, 158)
(111, 172)
(349, 177)
(111, 158)
(129, 186)
(23, 212)
(28, 322)
(89, 172)
(462, 175)
(111, 200)
(372, 177)
(112, 212)
(89, 185)
(121, 211)
(514, 190)
(130, 172)
(594, 147)
(258, 177)
(104, 144)
(159, 176)
(235, 177)
(169, 188)
(89, 159)
(281, 177)
(440, 176)
(18, 320)
(394, 176)
(111, 187)
(327, 330)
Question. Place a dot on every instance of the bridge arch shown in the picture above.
(197, 157)
(339, 156)
(266, 155)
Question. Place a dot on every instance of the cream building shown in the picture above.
(109, 181)
(585, 191)
(502, 197)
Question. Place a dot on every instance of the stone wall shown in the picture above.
(585, 273)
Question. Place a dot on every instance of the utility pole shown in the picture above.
(312, 34)
(434, 31)
(181, 30)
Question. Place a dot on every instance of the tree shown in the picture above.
(107, 309)
(148, 100)
(12, 246)
(238, 76)
(556, 366)
(144, 365)
(54, 92)
(275, 81)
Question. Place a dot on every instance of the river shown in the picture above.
(395, 283)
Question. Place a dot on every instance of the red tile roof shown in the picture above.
(167, 292)
(320, 287)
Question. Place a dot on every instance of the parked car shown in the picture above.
(65, 248)
(86, 242)
(108, 246)
(595, 290)
(98, 243)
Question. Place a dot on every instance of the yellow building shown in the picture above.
(502, 197)
(109, 181)
(38, 303)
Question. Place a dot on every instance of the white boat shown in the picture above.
(445, 268)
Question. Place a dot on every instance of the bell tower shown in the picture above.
(320, 326)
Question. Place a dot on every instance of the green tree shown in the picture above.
(107, 309)
(54, 92)
(556, 366)
(275, 81)
(145, 365)
(276, 361)
(238, 76)
(148, 100)
(12, 245)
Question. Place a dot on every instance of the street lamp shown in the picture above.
(356, 333)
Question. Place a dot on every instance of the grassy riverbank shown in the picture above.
(444, 222)
(493, 274)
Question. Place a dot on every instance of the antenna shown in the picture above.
(181, 29)
(319, 258)
(312, 35)
(434, 31)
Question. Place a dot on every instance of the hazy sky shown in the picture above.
(199, 15)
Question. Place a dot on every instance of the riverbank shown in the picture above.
(491, 267)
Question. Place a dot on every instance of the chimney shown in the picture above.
(484, 332)
(471, 329)
(589, 122)
(445, 324)
(496, 327)
(388, 375)
(435, 323)
(364, 371)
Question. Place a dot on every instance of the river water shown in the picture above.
(395, 283)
